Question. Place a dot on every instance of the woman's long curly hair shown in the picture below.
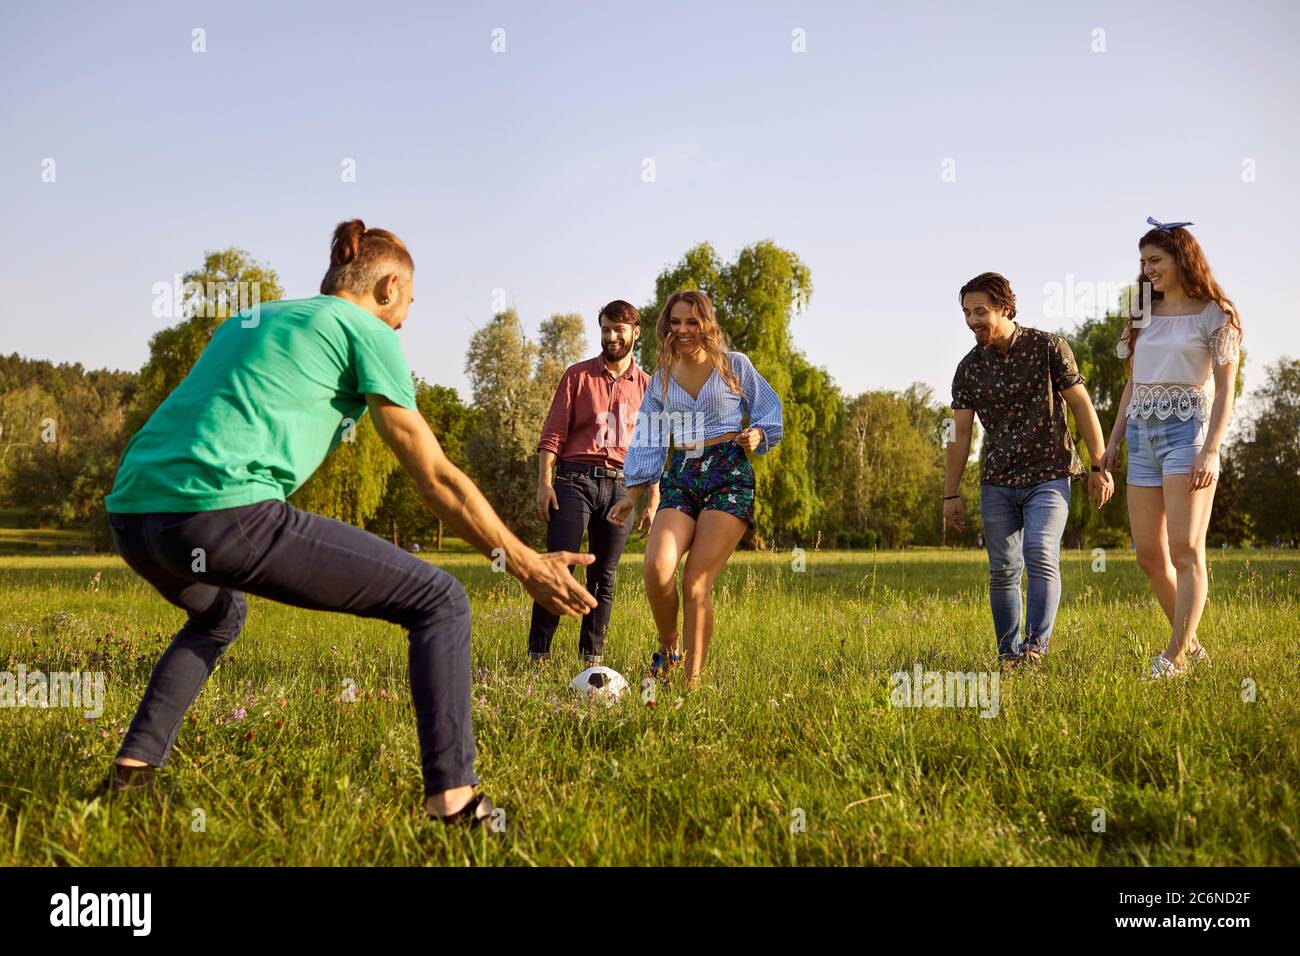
(712, 339)
(1197, 279)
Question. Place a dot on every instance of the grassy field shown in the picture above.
(791, 752)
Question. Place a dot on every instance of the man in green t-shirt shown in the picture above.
(198, 509)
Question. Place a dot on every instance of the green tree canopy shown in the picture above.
(513, 381)
(1266, 455)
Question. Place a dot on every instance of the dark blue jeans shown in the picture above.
(204, 562)
(583, 504)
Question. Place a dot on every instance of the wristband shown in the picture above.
(950, 497)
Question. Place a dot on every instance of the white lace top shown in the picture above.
(1173, 363)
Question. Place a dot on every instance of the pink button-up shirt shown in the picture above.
(593, 414)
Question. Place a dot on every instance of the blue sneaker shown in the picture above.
(661, 663)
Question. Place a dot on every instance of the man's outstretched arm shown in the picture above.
(449, 493)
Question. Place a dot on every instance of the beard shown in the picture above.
(615, 352)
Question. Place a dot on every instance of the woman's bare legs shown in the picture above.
(716, 536)
(670, 538)
(1146, 517)
(1187, 518)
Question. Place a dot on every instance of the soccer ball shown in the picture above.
(599, 683)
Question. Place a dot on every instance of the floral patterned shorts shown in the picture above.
(719, 479)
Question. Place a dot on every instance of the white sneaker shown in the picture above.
(1198, 656)
(1162, 667)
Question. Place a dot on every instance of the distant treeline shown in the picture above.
(853, 471)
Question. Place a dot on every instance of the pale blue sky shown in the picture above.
(522, 170)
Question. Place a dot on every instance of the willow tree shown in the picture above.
(350, 485)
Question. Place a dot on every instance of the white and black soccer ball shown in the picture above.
(599, 683)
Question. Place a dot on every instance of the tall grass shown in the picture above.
(790, 752)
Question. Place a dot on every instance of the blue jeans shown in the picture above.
(1023, 526)
(204, 561)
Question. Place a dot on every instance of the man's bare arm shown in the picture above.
(455, 499)
(957, 453)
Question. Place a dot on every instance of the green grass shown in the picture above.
(795, 715)
(17, 536)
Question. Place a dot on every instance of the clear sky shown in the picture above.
(523, 170)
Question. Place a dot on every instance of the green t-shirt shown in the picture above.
(262, 407)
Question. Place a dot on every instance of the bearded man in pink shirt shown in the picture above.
(584, 441)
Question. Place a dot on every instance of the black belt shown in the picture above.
(591, 471)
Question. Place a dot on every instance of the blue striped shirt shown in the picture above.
(680, 419)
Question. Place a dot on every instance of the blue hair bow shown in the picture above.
(1168, 226)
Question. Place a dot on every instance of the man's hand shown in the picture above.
(1100, 487)
(454, 498)
(546, 500)
(548, 580)
(621, 511)
(954, 514)
(750, 438)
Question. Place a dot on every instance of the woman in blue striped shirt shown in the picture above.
(697, 400)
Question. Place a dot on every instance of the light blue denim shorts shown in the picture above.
(1160, 448)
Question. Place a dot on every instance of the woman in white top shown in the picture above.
(1182, 352)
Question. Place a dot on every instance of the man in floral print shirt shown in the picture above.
(1019, 381)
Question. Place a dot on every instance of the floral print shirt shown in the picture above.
(1017, 397)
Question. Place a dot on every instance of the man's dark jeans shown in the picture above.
(584, 503)
(204, 561)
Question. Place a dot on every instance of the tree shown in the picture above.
(402, 516)
(561, 343)
(350, 483)
(883, 465)
(61, 431)
(513, 381)
(1230, 522)
(1266, 454)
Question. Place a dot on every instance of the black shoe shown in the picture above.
(476, 813)
(122, 779)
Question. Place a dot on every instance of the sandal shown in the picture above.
(1162, 667)
(661, 663)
